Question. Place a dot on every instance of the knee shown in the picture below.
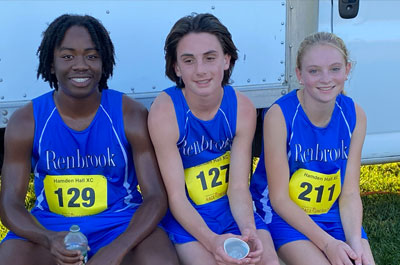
(22, 252)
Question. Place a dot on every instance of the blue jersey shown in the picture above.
(205, 146)
(317, 159)
(88, 172)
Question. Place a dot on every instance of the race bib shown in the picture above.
(209, 181)
(314, 192)
(76, 195)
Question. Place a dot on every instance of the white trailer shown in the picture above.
(266, 32)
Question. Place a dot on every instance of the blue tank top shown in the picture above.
(317, 158)
(79, 173)
(204, 146)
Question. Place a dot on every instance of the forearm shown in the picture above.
(144, 222)
(296, 217)
(192, 221)
(242, 208)
(17, 219)
(351, 216)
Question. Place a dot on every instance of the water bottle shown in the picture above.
(75, 240)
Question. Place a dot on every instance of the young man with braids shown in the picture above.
(89, 148)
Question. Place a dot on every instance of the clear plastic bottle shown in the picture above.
(75, 240)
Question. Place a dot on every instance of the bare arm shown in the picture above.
(154, 205)
(18, 141)
(278, 183)
(164, 134)
(350, 204)
(238, 190)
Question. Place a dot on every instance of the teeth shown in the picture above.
(324, 88)
(80, 80)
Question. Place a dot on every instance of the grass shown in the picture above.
(380, 193)
(381, 222)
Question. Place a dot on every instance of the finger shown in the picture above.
(70, 263)
(257, 246)
(350, 252)
(77, 259)
(365, 260)
(222, 256)
(229, 260)
(256, 249)
(255, 260)
(348, 262)
(255, 254)
(357, 261)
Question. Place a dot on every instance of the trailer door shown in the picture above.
(373, 40)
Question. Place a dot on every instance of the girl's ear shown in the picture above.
(298, 74)
(348, 68)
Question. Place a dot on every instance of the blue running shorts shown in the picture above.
(217, 216)
(100, 229)
(282, 232)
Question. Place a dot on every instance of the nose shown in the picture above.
(325, 77)
(200, 67)
(80, 64)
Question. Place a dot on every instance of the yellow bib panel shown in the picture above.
(209, 181)
(76, 195)
(314, 192)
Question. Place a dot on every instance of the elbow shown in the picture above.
(157, 203)
(3, 216)
(349, 198)
(278, 201)
(5, 206)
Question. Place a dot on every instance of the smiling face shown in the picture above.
(77, 63)
(201, 63)
(323, 71)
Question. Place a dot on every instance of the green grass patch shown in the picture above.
(381, 222)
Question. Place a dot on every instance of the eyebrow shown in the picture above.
(62, 48)
(337, 63)
(206, 53)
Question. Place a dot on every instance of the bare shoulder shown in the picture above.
(135, 120)
(274, 126)
(244, 103)
(274, 115)
(361, 116)
(162, 121)
(246, 113)
(21, 125)
(133, 109)
(361, 123)
(161, 106)
(162, 110)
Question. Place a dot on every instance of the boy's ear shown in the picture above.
(227, 61)
(177, 70)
